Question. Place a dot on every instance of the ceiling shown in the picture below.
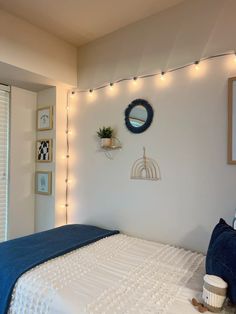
(81, 21)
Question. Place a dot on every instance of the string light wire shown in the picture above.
(161, 73)
(67, 131)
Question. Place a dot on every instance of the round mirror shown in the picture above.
(138, 116)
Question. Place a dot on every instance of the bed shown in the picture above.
(117, 274)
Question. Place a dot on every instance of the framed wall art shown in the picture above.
(44, 150)
(43, 182)
(44, 119)
(232, 121)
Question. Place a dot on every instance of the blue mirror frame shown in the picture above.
(145, 126)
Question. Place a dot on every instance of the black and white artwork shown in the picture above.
(44, 150)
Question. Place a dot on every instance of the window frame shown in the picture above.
(7, 88)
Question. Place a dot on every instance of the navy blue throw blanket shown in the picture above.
(20, 255)
(221, 256)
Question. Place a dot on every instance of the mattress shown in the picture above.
(118, 274)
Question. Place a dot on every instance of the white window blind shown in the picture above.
(4, 139)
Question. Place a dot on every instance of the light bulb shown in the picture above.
(111, 86)
(196, 65)
(68, 181)
(135, 79)
(90, 91)
(162, 76)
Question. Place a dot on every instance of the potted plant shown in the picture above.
(105, 134)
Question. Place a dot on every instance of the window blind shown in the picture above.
(4, 139)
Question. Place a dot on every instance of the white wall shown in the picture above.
(30, 48)
(22, 163)
(45, 204)
(188, 138)
(29, 212)
(60, 160)
(49, 210)
(181, 34)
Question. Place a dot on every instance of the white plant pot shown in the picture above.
(106, 142)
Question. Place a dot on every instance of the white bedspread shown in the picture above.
(119, 274)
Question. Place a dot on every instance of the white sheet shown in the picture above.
(118, 274)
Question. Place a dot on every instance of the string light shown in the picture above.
(69, 181)
(111, 85)
(67, 156)
(135, 79)
(196, 65)
(161, 74)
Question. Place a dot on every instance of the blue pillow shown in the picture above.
(221, 256)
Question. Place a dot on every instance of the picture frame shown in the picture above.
(231, 151)
(43, 182)
(44, 120)
(43, 152)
